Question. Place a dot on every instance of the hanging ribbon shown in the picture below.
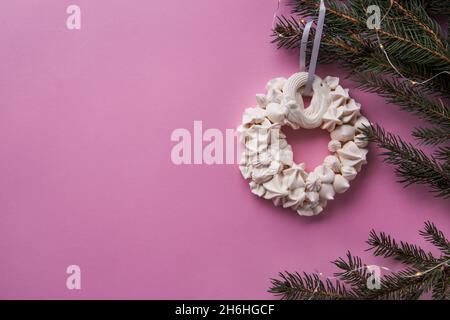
(316, 45)
(304, 44)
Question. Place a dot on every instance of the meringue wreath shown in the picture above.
(267, 160)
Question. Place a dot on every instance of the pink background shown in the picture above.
(85, 170)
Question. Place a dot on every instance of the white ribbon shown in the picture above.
(316, 46)
(304, 44)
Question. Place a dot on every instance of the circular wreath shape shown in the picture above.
(267, 161)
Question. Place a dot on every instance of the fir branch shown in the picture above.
(358, 56)
(293, 286)
(375, 62)
(436, 7)
(441, 286)
(408, 32)
(427, 274)
(443, 154)
(354, 273)
(402, 285)
(417, 14)
(412, 165)
(407, 46)
(408, 97)
(400, 37)
(432, 136)
(436, 237)
(418, 50)
(421, 58)
(287, 32)
(385, 246)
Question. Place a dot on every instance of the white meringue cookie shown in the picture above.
(320, 206)
(361, 123)
(275, 187)
(283, 144)
(285, 155)
(263, 159)
(261, 100)
(246, 171)
(307, 212)
(265, 125)
(243, 159)
(331, 118)
(254, 161)
(257, 189)
(350, 111)
(295, 198)
(313, 182)
(334, 145)
(351, 155)
(274, 95)
(338, 97)
(348, 173)
(295, 176)
(361, 141)
(333, 163)
(341, 92)
(257, 141)
(340, 184)
(327, 191)
(325, 174)
(263, 174)
(276, 112)
(277, 84)
(343, 133)
(317, 209)
(312, 197)
(277, 201)
(253, 115)
(241, 131)
(332, 82)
